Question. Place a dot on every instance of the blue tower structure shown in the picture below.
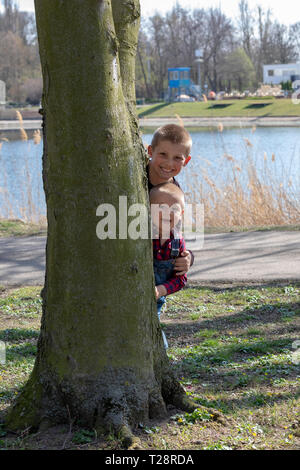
(179, 82)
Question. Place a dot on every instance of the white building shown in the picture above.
(277, 73)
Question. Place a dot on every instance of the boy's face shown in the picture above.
(167, 160)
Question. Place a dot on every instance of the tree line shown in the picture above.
(19, 57)
(234, 50)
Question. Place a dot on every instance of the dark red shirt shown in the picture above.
(163, 252)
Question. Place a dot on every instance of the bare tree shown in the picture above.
(283, 48)
(158, 47)
(13, 62)
(19, 59)
(143, 68)
(17, 22)
(295, 37)
(219, 41)
(246, 23)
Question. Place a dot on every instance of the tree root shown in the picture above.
(128, 439)
(174, 394)
(115, 422)
(46, 401)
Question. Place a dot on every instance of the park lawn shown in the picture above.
(17, 228)
(232, 348)
(223, 108)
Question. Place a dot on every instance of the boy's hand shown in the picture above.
(183, 263)
(160, 291)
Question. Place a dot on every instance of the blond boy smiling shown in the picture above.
(169, 153)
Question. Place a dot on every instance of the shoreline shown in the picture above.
(28, 124)
(280, 121)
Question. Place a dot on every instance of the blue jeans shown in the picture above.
(162, 271)
(160, 302)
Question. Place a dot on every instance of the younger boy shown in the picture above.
(167, 206)
(169, 153)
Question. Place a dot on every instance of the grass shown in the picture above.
(226, 108)
(223, 108)
(232, 349)
(17, 228)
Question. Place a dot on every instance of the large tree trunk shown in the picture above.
(100, 357)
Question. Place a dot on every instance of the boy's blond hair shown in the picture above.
(173, 133)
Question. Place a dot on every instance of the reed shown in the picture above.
(24, 208)
(241, 196)
(37, 137)
(19, 116)
(23, 133)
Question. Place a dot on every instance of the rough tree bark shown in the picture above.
(100, 356)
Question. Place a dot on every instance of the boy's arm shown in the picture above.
(160, 291)
(176, 282)
(173, 284)
(184, 262)
(192, 257)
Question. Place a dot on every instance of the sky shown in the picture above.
(287, 11)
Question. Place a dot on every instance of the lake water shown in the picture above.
(274, 151)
